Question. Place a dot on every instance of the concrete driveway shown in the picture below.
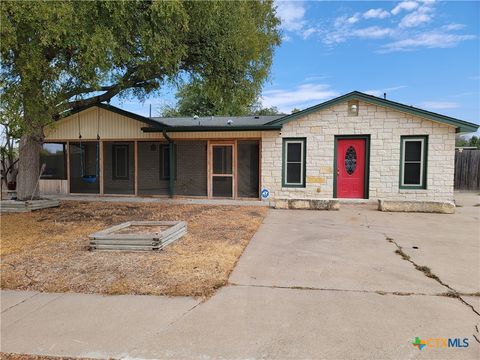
(310, 285)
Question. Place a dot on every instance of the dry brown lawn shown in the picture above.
(11, 356)
(48, 251)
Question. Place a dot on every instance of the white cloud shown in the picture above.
(376, 14)
(302, 96)
(404, 5)
(346, 20)
(419, 17)
(372, 32)
(428, 40)
(345, 33)
(380, 92)
(308, 32)
(292, 14)
(439, 105)
(353, 19)
(415, 19)
(452, 27)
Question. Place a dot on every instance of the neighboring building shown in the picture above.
(354, 146)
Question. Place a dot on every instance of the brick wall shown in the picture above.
(385, 127)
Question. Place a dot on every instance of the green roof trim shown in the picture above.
(212, 128)
(116, 110)
(460, 125)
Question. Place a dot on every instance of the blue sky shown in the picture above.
(421, 53)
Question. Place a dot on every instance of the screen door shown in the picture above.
(222, 171)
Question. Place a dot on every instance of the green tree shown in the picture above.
(294, 110)
(474, 141)
(460, 141)
(194, 98)
(64, 56)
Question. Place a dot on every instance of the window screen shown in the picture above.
(222, 159)
(191, 167)
(150, 168)
(248, 168)
(118, 167)
(222, 186)
(84, 162)
(413, 171)
(54, 158)
(294, 162)
(120, 161)
(165, 161)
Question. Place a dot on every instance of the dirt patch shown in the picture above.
(48, 250)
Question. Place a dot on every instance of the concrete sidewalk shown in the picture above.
(239, 322)
(310, 285)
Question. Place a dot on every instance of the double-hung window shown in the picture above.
(413, 162)
(294, 155)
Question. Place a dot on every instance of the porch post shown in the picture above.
(68, 167)
(135, 160)
(171, 165)
(171, 169)
(100, 143)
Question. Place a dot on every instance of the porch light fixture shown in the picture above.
(353, 108)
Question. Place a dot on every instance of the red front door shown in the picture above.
(350, 168)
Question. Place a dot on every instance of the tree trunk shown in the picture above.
(28, 166)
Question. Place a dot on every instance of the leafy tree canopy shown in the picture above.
(195, 98)
(62, 56)
(474, 141)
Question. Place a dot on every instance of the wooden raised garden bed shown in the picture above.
(138, 235)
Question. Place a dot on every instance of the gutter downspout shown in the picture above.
(171, 165)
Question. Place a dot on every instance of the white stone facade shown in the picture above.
(385, 127)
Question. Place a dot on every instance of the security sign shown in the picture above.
(265, 194)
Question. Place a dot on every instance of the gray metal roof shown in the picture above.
(216, 120)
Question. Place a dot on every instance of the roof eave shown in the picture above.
(210, 128)
(460, 125)
(116, 110)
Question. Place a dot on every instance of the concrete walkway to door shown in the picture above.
(316, 285)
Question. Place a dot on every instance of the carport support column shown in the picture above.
(171, 164)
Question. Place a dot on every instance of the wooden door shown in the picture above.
(351, 168)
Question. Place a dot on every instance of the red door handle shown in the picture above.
(338, 172)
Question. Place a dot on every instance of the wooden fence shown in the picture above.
(467, 170)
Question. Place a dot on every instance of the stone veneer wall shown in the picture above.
(385, 126)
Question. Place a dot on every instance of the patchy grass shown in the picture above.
(450, 294)
(428, 273)
(402, 254)
(48, 251)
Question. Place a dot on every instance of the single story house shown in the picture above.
(353, 146)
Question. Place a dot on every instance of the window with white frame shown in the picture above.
(294, 162)
(413, 162)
